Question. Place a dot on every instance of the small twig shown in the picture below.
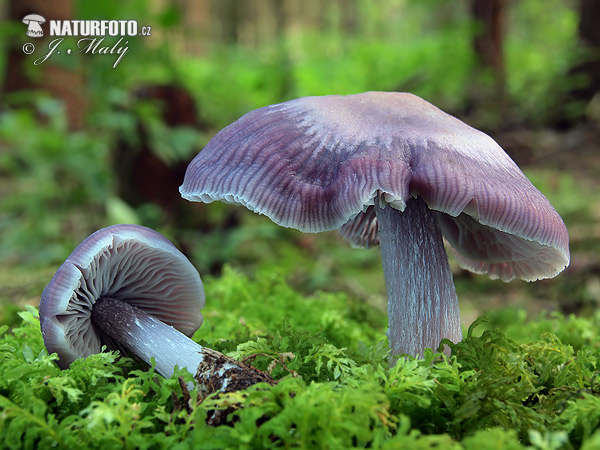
(186, 394)
(275, 361)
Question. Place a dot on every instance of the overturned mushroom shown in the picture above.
(127, 286)
(390, 169)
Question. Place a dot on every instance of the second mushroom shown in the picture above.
(389, 169)
(128, 288)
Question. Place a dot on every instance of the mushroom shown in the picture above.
(127, 286)
(390, 169)
(34, 21)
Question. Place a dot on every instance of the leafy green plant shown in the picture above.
(49, 169)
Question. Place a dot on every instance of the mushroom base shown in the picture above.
(422, 303)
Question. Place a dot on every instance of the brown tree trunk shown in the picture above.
(60, 83)
(585, 76)
(228, 15)
(488, 46)
(488, 41)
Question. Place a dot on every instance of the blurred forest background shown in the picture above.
(84, 145)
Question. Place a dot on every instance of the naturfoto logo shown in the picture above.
(97, 28)
(33, 22)
(96, 36)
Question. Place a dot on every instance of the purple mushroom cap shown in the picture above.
(129, 263)
(319, 163)
(389, 169)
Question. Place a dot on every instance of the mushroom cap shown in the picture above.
(320, 163)
(33, 17)
(130, 263)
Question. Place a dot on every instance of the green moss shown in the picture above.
(533, 384)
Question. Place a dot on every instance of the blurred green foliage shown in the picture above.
(61, 183)
(53, 179)
(538, 57)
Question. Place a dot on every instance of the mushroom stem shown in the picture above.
(148, 337)
(422, 303)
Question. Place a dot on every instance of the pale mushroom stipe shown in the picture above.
(127, 286)
(390, 169)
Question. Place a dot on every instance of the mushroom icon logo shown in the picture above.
(34, 21)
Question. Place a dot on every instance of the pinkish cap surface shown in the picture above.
(319, 163)
(130, 263)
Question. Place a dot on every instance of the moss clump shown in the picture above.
(335, 389)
